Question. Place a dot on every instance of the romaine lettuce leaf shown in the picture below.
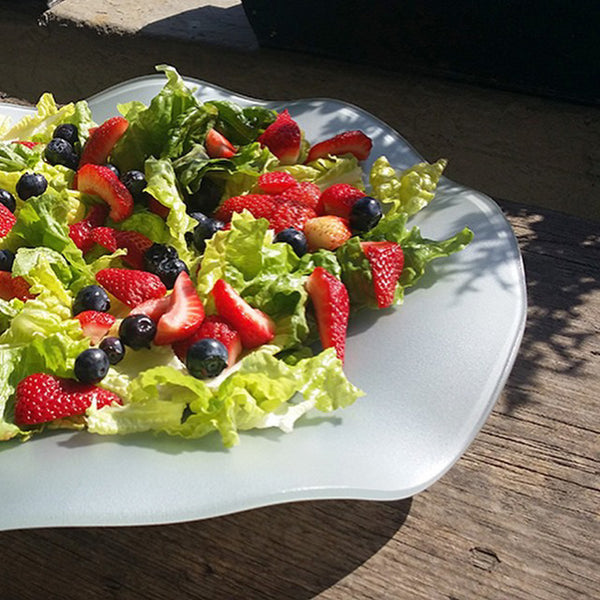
(328, 171)
(241, 125)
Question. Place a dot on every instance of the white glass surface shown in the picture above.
(432, 370)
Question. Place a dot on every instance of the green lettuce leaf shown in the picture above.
(328, 171)
(17, 157)
(241, 125)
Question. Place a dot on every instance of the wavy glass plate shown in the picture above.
(432, 370)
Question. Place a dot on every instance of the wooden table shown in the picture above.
(516, 518)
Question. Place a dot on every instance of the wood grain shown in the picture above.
(516, 518)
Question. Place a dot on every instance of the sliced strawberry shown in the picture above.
(155, 308)
(105, 237)
(7, 220)
(14, 287)
(157, 208)
(338, 199)
(101, 181)
(218, 146)
(101, 141)
(258, 205)
(275, 182)
(386, 260)
(283, 138)
(330, 300)
(97, 214)
(349, 142)
(289, 213)
(95, 324)
(184, 315)
(136, 245)
(328, 232)
(254, 326)
(218, 329)
(41, 398)
(80, 232)
(131, 286)
(26, 143)
(304, 192)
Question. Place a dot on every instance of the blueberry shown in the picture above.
(137, 331)
(114, 349)
(91, 365)
(68, 132)
(91, 297)
(135, 182)
(365, 214)
(60, 152)
(114, 169)
(8, 200)
(7, 258)
(206, 358)
(169, 270)
(294, 238)
(204, 231)
(31, 184)
(156, 254)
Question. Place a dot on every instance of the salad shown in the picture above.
(190, 267)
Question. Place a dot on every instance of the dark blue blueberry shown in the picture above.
(60, 152)
(91, 297)
(135, 182)
(114, 169)
(365, 214)
(157, 254)
(137, 331)
(8, 200)
(169, 270)
(68, 132)
(206, 358)
(7, 258)
(204, 231)
(114, 349)
(294, 238)
(31, 184)
(91, 365)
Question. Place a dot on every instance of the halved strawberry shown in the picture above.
(289, 213)
(283, 138)
(216, 328)
(154, 308)
(14, 287)
(105, 237)
(275, 182)
(136, 244)
(330, 300)
(7, 220)
(218, 146)
(184, 315)
(95, 324)
(80, 232)
(254, 326)
(328, 232)
(101, 181)
(304, 192)
(349, 142)
(131, 286)
(386, 260)
(338, 199)
(101, 141)
(258, 205)
(157, 208)
(41, 398)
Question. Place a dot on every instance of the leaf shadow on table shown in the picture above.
(561, 255)
(292, 551)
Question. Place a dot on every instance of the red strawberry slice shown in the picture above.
(41, 398)
(95, 324)
(157, 208)
(254, 326)
(14, 287)
(26, 143)
(283, 138)
(218, 329)
(386, 260)
(275, 182)
(105, 236)
(218, 146)
(7, 220)
(258, 205)
(330, 300)
(131, 286)
(101, 181)
(289, 213)
(306, 193)
(154, 308)
(136, 244)
(80, 232)
(328, 232)
(349, 142)
(184, 315)
(101, 141)
(338, 199)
